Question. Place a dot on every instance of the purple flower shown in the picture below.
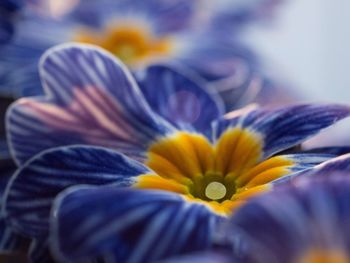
(154, 168)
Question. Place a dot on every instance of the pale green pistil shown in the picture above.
(215, 191)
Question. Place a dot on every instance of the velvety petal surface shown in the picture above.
(144, 227)
(181, 98)
(90, 98)
(307, 221)
(282, 128)
(35, 185)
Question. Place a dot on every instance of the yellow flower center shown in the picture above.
(133, 44)
(221, 175)
(324, 256)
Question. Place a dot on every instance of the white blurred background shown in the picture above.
(309, 43)
(309, 46)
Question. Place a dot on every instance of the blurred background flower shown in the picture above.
(8, 15)
(192, 34)
(197, 37)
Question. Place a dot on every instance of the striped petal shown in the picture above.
(91, 99)
(145, 227)
(340, 164)
(307, 221)
(180, 98)
(278, 167)
(34, 186)
(335, 150)
(9, 241)
(285, 127)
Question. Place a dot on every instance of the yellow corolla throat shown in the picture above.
(132, 43)
(221, 175)
(324, 256)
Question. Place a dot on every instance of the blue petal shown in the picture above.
(165, 16)
(180, 98)
(11, 5)
(8, 10)
(19, 59)
(229, 68)
(91, 99)
(340, 164)
(285, 127)
(219, 256)
(31, 191)
(146, 226)
(335, 150)
(9, 240)
(294, 220)
(39, 251)
(306, 161)
(230, 17)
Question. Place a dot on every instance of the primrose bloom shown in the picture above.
(140, 33)
(303, 221)
(162, 147)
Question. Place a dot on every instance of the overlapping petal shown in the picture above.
(285, 127)
(91, 98)
(280, 166)
(180, 98)
(305, 221)
(340, 164)
(146, 226)
(32, 189)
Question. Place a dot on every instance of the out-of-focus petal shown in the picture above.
(39, 251)
(167, 16)
(307, 219)
(216, 256)
(8, 12)
(180, 98)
